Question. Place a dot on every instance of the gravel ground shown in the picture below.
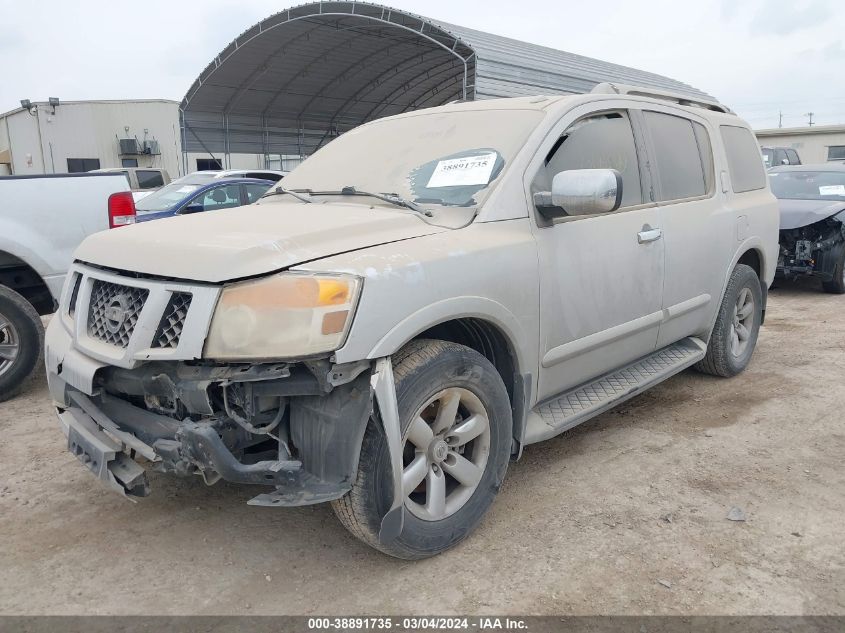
(626, 514)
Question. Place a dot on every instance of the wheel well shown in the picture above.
(752, 258)
(486, 339)
(489, 341)
(20, 277)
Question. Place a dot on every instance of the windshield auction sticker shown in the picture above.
(461, 172)
(832, 190)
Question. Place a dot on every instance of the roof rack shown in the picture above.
(676, 97)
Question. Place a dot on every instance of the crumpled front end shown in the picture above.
(812, 250)
(133, 395)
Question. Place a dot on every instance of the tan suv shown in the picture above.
(427, 295)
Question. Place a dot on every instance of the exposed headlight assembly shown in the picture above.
(289, 315)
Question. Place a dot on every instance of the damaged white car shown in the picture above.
(427, 295)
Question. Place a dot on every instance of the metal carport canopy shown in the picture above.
(304, 75)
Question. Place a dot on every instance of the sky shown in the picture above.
(759, 57)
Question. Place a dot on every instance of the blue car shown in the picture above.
(197, 193)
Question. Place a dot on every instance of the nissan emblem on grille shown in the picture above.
(114, 311)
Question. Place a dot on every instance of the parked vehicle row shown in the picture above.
(391, 328)
(778, 156)
(199, 192)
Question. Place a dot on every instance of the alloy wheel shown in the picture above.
(445, 453)
(743, 322)
(9, 344)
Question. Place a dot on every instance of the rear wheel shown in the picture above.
(456, 432)
(21, 342)
(836, 285)
(737, 326)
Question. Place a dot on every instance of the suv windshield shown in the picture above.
(448, 158)
(168, 197)
(809, 185)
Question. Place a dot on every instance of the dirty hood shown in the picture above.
(217, 246)
(797, 213)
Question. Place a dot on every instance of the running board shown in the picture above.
(582, 403)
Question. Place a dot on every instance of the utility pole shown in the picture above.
(811, 115)
(780, 118)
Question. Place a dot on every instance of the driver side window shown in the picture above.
(224, 197)
(599, 141)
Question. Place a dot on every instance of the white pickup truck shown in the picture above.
(42, 221)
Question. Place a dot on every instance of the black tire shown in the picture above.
(720, 360)
(422, 369)
(836, 286)
(24, 325)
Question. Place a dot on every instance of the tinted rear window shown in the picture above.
(747, 172)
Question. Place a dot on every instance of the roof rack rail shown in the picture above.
(676, 97)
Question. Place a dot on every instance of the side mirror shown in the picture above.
(784, 161)
(581, 192)
(196, 207)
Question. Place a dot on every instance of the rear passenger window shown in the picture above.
(604, 141)
(148, 179)
(747, 173)
(678, 157)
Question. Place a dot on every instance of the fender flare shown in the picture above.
(25, 246)
(752, 243)
(455, 308)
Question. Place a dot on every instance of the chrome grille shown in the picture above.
(170, 328)
(114, 311)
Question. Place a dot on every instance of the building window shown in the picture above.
(836, 152)
(129, 162)
(81, 165)
(209, 164)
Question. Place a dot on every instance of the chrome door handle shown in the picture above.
(652, 235)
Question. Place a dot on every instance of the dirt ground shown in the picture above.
(624, 515)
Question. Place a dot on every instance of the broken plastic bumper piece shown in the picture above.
(110, 453)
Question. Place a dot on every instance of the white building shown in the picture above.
(817, 144)
(79, 136)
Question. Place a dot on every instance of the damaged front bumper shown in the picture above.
(811, 251)
(296, 428)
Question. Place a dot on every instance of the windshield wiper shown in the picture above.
(281, 191)
(391, 198)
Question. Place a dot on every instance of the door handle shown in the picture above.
(650, 235)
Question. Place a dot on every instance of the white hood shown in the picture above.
(218, 246)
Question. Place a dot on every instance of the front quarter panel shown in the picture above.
(486, 270)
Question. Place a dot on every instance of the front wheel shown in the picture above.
(836, 285)
(456, 431)
(737, 326)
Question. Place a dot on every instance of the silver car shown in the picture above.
(419, 301)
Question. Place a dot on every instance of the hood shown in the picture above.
(218, 246)
(797, 213)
